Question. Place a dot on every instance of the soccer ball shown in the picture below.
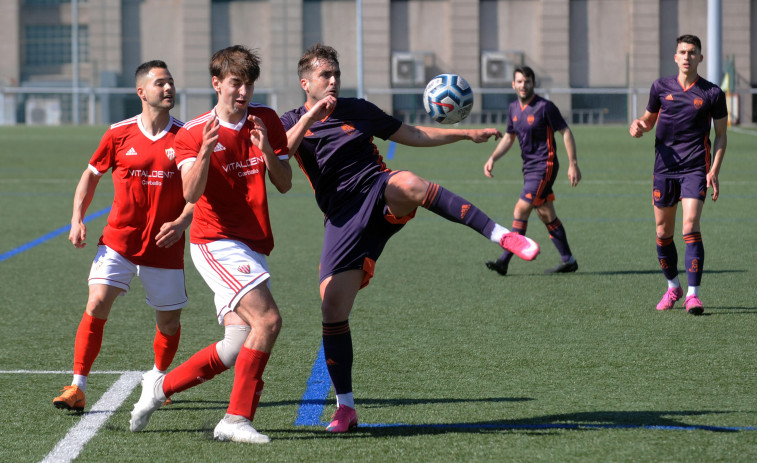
(448, 98)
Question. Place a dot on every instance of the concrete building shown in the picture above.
(577, 44)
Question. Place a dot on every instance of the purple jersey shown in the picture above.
(682, 140)
(536, 124)
(337, 153)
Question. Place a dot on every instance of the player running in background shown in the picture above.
(364, 202)
(224, 155)
(535, 120)
(684, 108)
(144, 236)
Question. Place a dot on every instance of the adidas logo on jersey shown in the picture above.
(219, 147)
(131, 152)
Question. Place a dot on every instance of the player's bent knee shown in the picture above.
(228, 348)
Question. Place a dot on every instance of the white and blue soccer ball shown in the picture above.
(448, 98)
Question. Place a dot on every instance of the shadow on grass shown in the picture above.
(548, 424)
(656, 271)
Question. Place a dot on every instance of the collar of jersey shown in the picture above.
(237, 127)
(148, 134)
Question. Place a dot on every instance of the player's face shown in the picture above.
(687, 58)
(325, 80)
(158, 89)
(524, 87)
(233, 94)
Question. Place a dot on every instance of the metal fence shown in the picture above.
(93, 106)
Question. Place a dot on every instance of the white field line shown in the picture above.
(63, 372)
(68, 448)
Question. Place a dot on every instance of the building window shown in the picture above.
(49, 2)
(51, 45)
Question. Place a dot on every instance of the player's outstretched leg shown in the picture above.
(151, 399)
(457, 209)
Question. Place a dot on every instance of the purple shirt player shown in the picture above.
(365, 203)
(535, 121)
(685, 108)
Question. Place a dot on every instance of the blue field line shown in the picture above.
(390, 150)
(314, 399)
(49, 236)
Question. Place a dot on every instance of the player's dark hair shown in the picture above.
(526, 71)
(691, 40)
(145, 68)
(237, 60)
(317, 52)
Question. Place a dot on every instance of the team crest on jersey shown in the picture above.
(244, 268)
(530, 119)
(698, 102)
(348, 128)
(170, 154)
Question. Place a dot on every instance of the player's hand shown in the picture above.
(488, 167)
(78, 235)
(322, 108)
(483, 135)
(210, 135)
(638, 127)
(574, 174)
(169, 234)
(712, 181)
(259, 134)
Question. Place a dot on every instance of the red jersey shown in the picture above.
(234, 204)
(148, 191)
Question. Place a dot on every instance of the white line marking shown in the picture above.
(72, 444)
(63, 372)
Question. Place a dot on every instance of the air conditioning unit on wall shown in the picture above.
(497, 66)
(43, 111)
(410, 69)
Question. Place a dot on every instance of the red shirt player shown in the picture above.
(224, 156)
(144, 235)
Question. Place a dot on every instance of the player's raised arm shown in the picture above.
(318, 111)
(194, 175)
(279, 170)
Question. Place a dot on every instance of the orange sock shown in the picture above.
(248, 382)
(165, 348)
(89, 339)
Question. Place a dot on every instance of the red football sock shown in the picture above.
(200, 367)
(165, 348)
(248, 382)
(89, 339)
